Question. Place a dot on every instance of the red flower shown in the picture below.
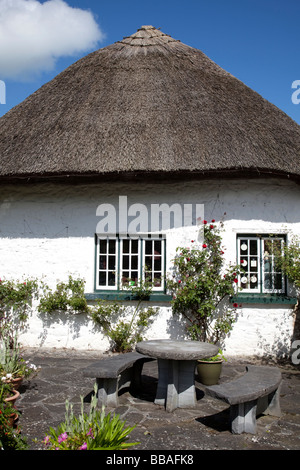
(205, 222)
(211, 226)
(179, 282)
(213, 220)
(235, 305)
(235, 280)
(242, 261)
(204, 245)
(192, 241)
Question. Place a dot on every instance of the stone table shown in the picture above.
(176, 369)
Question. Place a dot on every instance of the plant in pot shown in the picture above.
(209, 370)
(13, 367)
(202, 284)
(10, 436)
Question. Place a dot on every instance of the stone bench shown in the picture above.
(114, 373)
(255, 393)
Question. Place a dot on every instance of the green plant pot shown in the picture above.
(209, 372)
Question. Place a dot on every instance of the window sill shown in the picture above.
(263, 299)
(113, 295)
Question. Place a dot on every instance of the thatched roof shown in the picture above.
(147, 105)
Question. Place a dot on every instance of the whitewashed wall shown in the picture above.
(48, 231)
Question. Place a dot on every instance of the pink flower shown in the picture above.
(90, 433)
(63, 437)
(83, 447)
(47, 440)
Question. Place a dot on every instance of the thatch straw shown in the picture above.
(147, 105)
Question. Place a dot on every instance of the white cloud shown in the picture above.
(33, 35)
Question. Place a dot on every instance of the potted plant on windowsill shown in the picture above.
(209, 370)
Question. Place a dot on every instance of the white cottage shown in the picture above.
(96, 152)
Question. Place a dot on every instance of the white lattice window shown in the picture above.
(124, 260)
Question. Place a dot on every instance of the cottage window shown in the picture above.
(261, 273)
(123, 261)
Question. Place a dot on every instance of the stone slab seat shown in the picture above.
(255, 393)
(114, 373)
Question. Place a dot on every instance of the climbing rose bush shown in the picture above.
(201, 284)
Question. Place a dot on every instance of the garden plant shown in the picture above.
(202, 284)
(89, 431)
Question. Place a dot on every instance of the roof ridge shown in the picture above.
(147, 36)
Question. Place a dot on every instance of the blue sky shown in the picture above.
(258, 41)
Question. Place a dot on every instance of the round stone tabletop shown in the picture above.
(177, 350)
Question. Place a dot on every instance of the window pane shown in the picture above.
(157, 264)
(278, 281)
(134, 246)
(268, 281)
(134, 262)
(148, 263)
(103, 245)
(111, 262)
(148, 249)
(244, 247)
(112, 246)
(253, 247)
(125, 262)
(125, 246)
(157, 247)
(111, 278)
(102, 278)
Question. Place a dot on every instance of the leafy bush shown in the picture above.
(68, 296)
